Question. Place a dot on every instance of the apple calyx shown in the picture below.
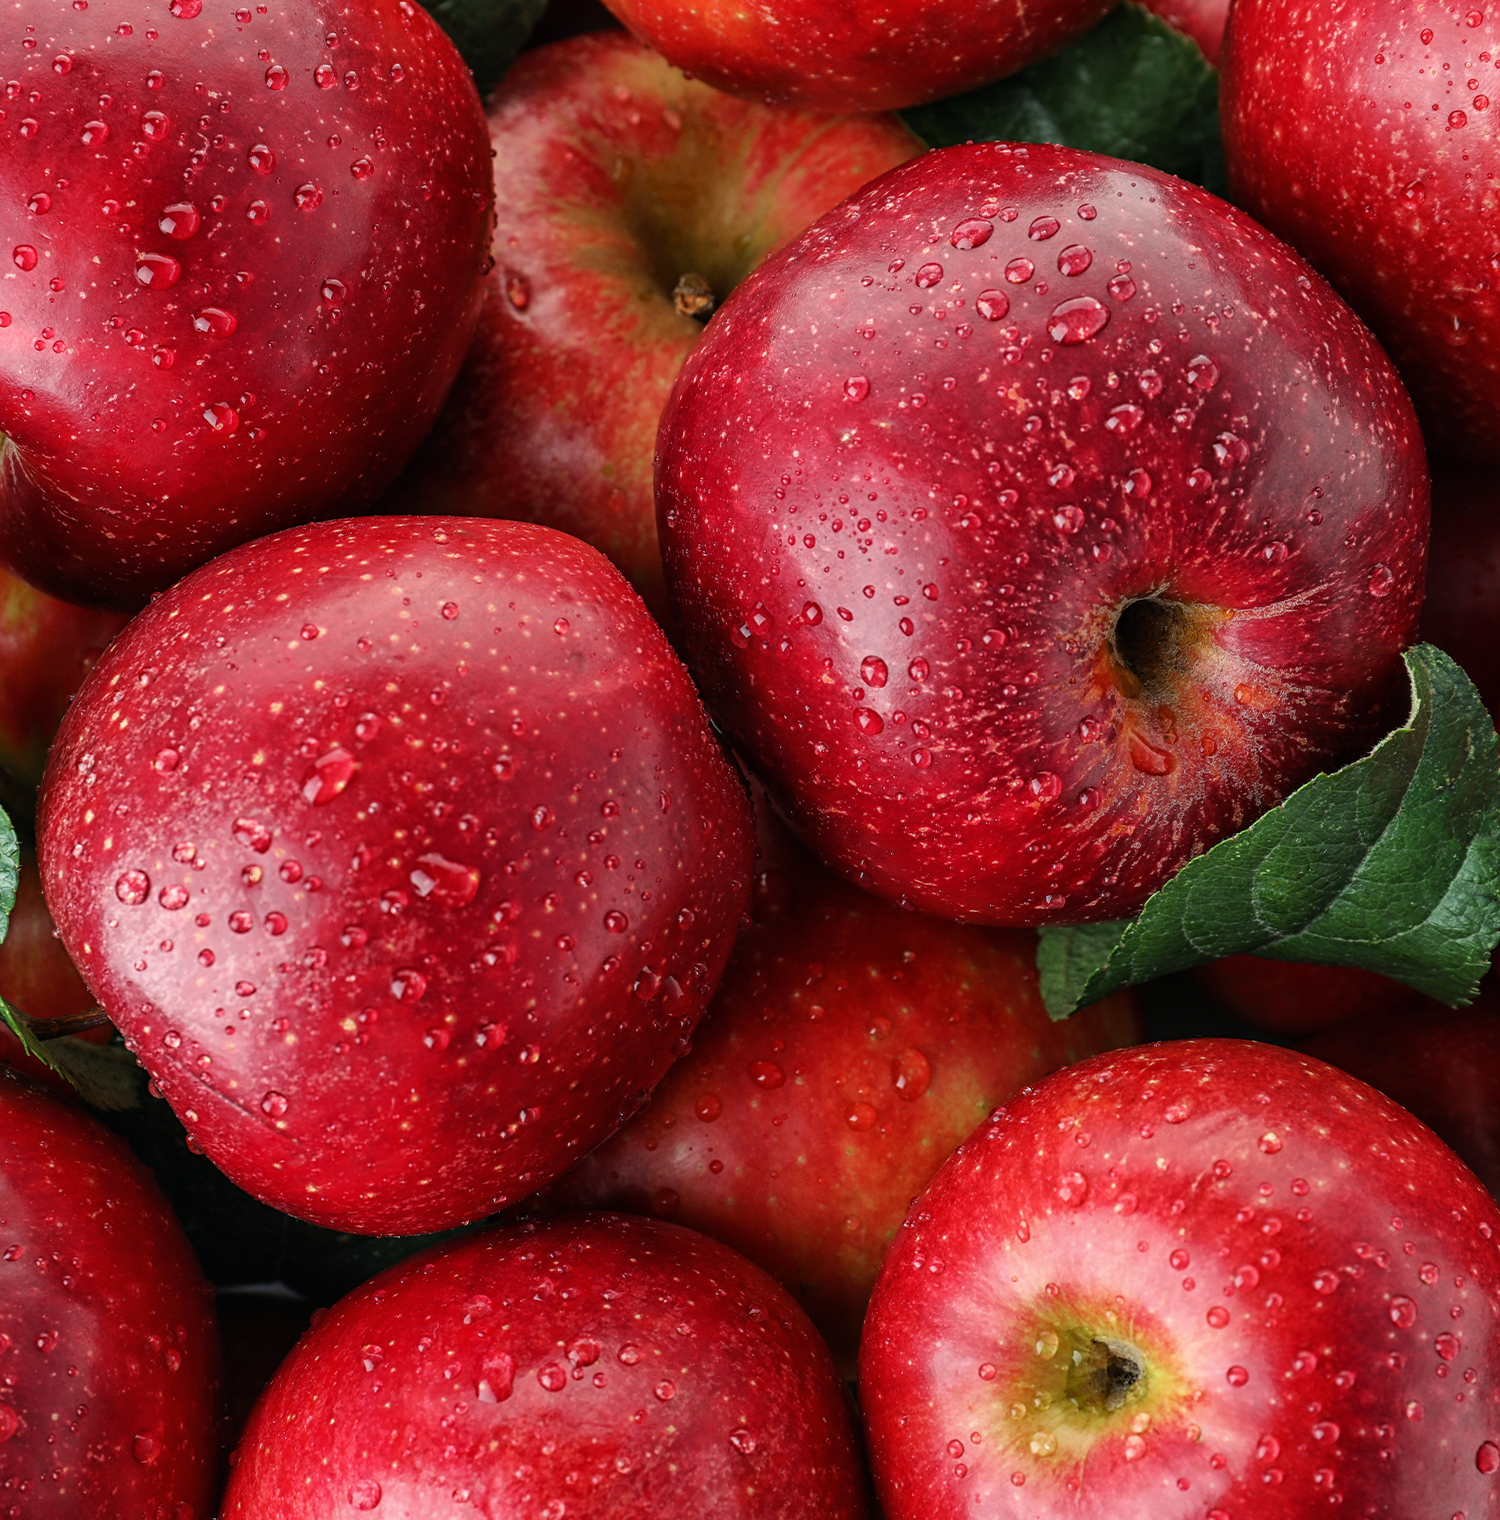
(1151, 647)
(1106, 1374)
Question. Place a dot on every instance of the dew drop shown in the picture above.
(856, 387)
(1325, 1283)
(329, 776)
(1381, 580)
(408, 984)
(1403, 1312)
(928, 275)
(971, 233)
(308, 197)
(1074, 260)
(1202, 372)
(992, 304)
(133, 887)
(1237, 1377)
(364, 1494)
(273, 1103)
(154, 125)
(1018, 271)
(277, 77)
(145, 1447)
(1072, 1188)
(1487, 1458)
(25, 257)
(861, 1116)
(1077, 320)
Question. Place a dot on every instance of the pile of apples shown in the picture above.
(603, 623)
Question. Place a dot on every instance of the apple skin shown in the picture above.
(1012, 628)
(1307, 1275)
(1462, 612)
(1355, 130)
(614, 175)
(1202, 20)
(314, 229)
(850, 1048)
(47, 647)
(423, 810)
(595, 1366)
(1290, 998)
(822, 55)
(109, 1359)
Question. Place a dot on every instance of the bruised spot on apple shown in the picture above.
(402, 854)
(630, 201)
(1184, 1280)
(1034, 521)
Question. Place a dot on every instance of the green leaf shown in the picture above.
(489, 33)
(106, 1077)
(1132, 88)
(1392, 864)
(10, 870)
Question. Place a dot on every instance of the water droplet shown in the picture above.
(928, 275)
(1045, 786)
(1121, 287)
(1218, 1316)
(1018, 271)
(766, 1074)
(25, 256)
(1403, 1312)
(258, 211)
(665, 1390)
(1042, 228)
(408, 984)
(1237, 1377)
(911, 1073)
(992, 304)
(1077, 320)
(145, 1447)
(329, 776)
(308, 197)
(856, 387)
(216, 321)
(277, 77)
(62, 64)
(173, 897)
(253, 834)
(325, 76)
(1325, 1282)
(861, 1116)
(873, 671)
(1043, 1443)
(1230, 449)
(1487, 1458)
(869, 721)
(739, 1438)
(133, 887)
(95, 134)
(1124, 419)
(971, 233)
(1074, 260)
(273, 1104)
(1270, 1142)
(364, 1493)
(40, 203)
(1072, 1188)
(157, 271)
(9, 1422)
(1137, 485)
(708, 1107)
(185, 10)
(155, 126)
(362, 168)
(448, 883)
(1202, 372)
(1381, 580)
(180, 221)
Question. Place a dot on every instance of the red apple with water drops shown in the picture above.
(1362, 131)
(400, 851)
(826, 56)
(243, 252)
(628, 197)
(1204, 1278)
(593, 1366)
(1036, 520)
(109, 1358)
(850, 1048)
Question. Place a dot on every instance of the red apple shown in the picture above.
(38, 979)
(401, 853)
(47, 647)
(1361, 131)
(1035, 520)
(827, 56)
(1202, 20)
(108, 1353)
(615, 177)
(1199, 1279)
(1442, 1064)
(243, 255)
(850, 1048)
(1293, 999)
(593, 1366)
(1462, 612)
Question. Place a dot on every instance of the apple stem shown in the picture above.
(1105, 1373)
(693, 296)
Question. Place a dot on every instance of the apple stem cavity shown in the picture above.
(693, 296)
(1105, 1375)
(1151, 643)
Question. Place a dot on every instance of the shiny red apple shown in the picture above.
(627, 198)
(243, 251)
(1035, 520)
(596, 1366)
(1202, 20)
(1362, 132)
(826, 56)
(1198, 1279)
(401, 853)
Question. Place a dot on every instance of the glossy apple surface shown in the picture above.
(1362, 132)
(243, 253)
(592, 1366)
(614, 177)
(1202, 20)
(1192, 1279)
(108, 1354)
(1035, 520)
(850, 1048)
(400, 851)
(826, 56)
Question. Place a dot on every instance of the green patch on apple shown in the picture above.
(489, 33)
(1391, 864)
(1133, 88)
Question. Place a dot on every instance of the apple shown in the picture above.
(1442, 1064)
(850, 1048)
(1290, 998)
(242, 252)
(38, 978)
(402, 855)
(108, 1353)
(1355, 129)
(1198, 1279)
(1202, 20)
(1034, 521)
(1462, 612)
(590, 1366)
(46, 649)
(615, 179)
(826, 56)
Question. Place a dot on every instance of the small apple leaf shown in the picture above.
(489, 33)
(1392, 864)
(10, 869)
(1132, 88)
(106, 1077)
